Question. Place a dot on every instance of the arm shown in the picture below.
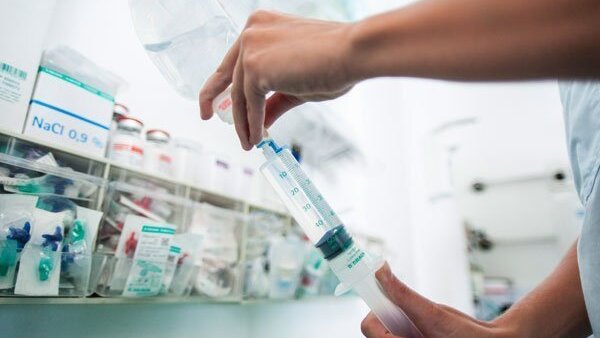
(309, 60)
(482, 40)
(553, 309)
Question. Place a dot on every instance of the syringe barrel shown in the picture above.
(388, 313)
(307, 206)
(354, 267)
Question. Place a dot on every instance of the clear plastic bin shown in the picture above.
(219, 273)
(262, 228)
(123, 199)
(68, 276)
(113, 277)
(34, 152)
(29, 187)
(41, 178)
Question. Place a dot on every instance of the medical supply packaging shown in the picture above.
(219, 261)
(141, 248)
(72, 102)
(47, 227)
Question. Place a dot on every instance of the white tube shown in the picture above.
(355, 268)
(388, 313)
(222, 106)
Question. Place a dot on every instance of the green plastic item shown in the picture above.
(77, 233)
(8, 255)
(46, 264)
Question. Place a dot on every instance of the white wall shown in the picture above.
(518, 132)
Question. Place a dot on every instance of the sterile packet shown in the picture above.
(39, 270)
(141, 255)
(218, 229)
(78, 245)
(180, 263)
(16, 222)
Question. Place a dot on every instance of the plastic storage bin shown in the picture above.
(42, 178)
(219, 267)
(111, 277)
(152, 202)
(262, 228)
(142, 247)
(47, 230)
(68, 277)
(35, 152)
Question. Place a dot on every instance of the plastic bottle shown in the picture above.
(127, 146)
(157, 153)
(186, 154)
(119, 111)
(186, 39)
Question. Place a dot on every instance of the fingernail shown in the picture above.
(384, 273)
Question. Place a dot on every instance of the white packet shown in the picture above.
(15, 210)
(142, 273)
(29, 277)
(77, 264)
(180, 263)
(217, 227)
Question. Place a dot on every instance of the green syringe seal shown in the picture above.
(334, 242)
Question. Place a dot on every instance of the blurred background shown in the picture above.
(465, 188)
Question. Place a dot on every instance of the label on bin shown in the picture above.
(149, 261)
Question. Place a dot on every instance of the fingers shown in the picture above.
(277, 105)
(238, 99)
(218, 82)
(418, 308)
(371, 327)
(255, 103)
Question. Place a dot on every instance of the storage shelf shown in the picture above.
(280, 210)
(159, 300)
(106, 170)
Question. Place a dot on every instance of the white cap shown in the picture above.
(222, 106)
(158, 135)
(120, 109)
(131, 123)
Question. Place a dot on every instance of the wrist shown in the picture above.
(357, 63)
(509, 327)
(375, 46)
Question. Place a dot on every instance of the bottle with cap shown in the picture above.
(186, 159)
(127, 145)
(157, 157)
(119, 110)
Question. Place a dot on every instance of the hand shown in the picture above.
(433, 320)
(298, 59)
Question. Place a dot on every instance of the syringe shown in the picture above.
(354, 267)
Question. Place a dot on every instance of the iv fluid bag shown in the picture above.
(186, 39)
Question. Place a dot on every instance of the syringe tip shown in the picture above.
(269, 147)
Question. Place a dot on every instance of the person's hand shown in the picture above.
(298, 59)
(433, 320)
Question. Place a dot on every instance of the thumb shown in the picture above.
(419, 309)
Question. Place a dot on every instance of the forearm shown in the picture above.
(554, 309)
(480, 40)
